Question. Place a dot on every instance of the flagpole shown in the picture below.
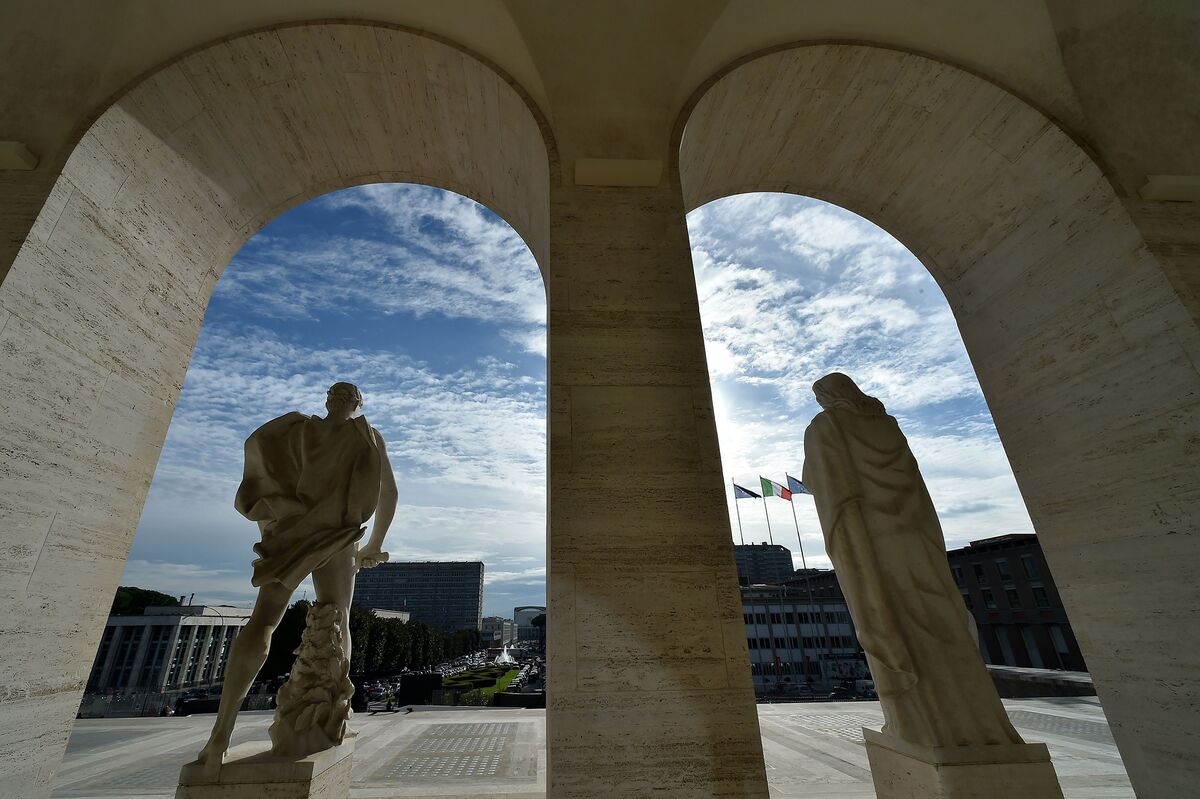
(824, 629)
(768, 514)
(737, 511)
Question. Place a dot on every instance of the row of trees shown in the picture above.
(381, 647)
(133, 601)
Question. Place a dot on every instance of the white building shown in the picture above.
(498, 631)
(523, 616)
(166, 648)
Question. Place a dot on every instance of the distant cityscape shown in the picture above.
(799, 632)
(170, 647)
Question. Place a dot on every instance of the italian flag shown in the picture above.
(772, 489)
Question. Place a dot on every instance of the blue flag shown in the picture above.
(744, 493)
(796, 486)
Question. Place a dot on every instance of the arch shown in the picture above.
(100, 311)
(1083, 351)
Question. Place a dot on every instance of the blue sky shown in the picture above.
(436, 309)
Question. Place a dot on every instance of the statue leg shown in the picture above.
(334, 583)
(247, 656)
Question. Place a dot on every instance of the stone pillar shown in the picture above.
(650, 690)
(169, 658)
(106, 667)
(139, 657)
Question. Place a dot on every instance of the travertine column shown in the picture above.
(649, 687)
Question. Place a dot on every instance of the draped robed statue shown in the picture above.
(311, 484)
(883, 536)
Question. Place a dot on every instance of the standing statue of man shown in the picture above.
(883, 536)
(311, 484)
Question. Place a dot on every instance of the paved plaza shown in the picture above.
(812, 750)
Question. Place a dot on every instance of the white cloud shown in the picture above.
(792, 289)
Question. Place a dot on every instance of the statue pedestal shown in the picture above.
(902, 770)
(251, 771)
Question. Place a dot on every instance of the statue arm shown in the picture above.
(372, 555)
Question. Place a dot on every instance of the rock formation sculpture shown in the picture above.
(313, 706)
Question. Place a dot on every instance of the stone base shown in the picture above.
(250, 771)
(902, 770)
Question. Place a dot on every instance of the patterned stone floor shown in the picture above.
(812, 750)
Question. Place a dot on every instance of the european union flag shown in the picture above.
(744, 493)
(796, 486)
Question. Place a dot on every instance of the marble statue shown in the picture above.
(311, 483)
(883, 536)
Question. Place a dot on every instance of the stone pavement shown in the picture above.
(812, 750)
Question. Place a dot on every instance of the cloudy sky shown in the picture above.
(436, 309)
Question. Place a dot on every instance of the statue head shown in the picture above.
(836, 390)
(343, 401)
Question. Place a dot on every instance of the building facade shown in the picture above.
(1006, 584)
(523, 616)
(799, 639)
(447, 595)
(763, 563)
(166, 649)
(498, 631)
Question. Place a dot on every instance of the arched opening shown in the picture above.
(434, 307)
(103, 304)
(1079, 342)
(791, 289)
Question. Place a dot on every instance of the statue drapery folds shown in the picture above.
(884, 538)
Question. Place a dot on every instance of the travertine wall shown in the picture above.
(1086, 354)
(100, 311)
(650, 692)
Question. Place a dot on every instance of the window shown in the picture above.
(790, 617)
(980, 575)
(958, 575)
(749, 617)
(1014, 599)
(1002, 567)
(793, 642)
(764, 643)
(776, 618)
(989, 601)
(1030, 566)
(967, 601)
(1040, 598)
(760, 618)
(780, 643)
(752, 643)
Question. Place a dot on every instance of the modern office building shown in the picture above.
(1007, 586)
(166, 649)
(498, 631)
(447, 595)
(763, 563)
(523, 616)
(797, 639)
